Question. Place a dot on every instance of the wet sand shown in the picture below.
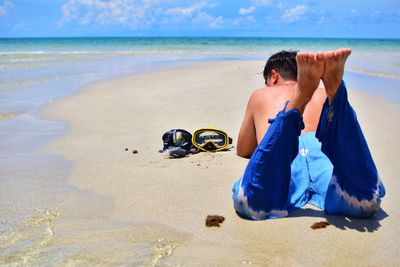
(171, 198)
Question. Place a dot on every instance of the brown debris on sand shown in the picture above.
(214, 220)
(319, 225)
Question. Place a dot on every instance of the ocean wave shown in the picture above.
(134, 52)
(27, 56)
(25, 82)
(21, 65)
(376, 54)
(374, 73)
(7, 116)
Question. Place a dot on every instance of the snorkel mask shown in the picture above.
(177, 138)
(210, 139)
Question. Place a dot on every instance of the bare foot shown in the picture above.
(310, 68)
(334, 69)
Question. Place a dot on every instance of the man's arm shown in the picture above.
(247, 139)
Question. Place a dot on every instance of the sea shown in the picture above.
(34, 184)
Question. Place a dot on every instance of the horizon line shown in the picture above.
(196, 36)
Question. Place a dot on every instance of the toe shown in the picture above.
(330, 54)
(300, 57)
(347, 52)
(310, 57)
(343, 53)
(320, 56)
(337, 54)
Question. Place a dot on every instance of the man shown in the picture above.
(313, 151)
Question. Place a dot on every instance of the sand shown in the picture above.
(133, 112)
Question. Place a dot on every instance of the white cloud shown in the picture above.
(135, 13)
(261, 2)
(185, 11)
(354, 12)
(205, 19)
(244, 20)
(21, 27)
(246, 11)
(129, 13)
(377, 13)
(5, 7)
(294, 14)
(321, 20)
(193, 14)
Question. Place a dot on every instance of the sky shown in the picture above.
(260, 18)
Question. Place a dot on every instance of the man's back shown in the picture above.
(264, 104)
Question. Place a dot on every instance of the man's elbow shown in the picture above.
(243, 153)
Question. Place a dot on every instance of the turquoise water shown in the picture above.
(34, 71)
(37, 71)
(192, 44)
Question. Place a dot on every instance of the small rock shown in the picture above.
(135, 151)
(214, 220)
(319, 225)
(126, 149)
(160, 151)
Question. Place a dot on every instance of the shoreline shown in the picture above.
(109, 115)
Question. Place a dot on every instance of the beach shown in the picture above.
(180, 193)
(108, 206)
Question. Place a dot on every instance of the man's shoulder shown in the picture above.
(262, 98)
(265, 93)
(262, 92)
(258, 95)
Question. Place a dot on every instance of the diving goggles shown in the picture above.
(177, 138)
(212, 140)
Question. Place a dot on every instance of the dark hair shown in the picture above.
(283, 62)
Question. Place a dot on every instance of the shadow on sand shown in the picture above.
(342, 222)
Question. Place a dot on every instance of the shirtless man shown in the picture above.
(313, 151)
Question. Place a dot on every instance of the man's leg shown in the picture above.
(262, 192)
(355, 188)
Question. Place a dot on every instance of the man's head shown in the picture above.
(281, 65)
